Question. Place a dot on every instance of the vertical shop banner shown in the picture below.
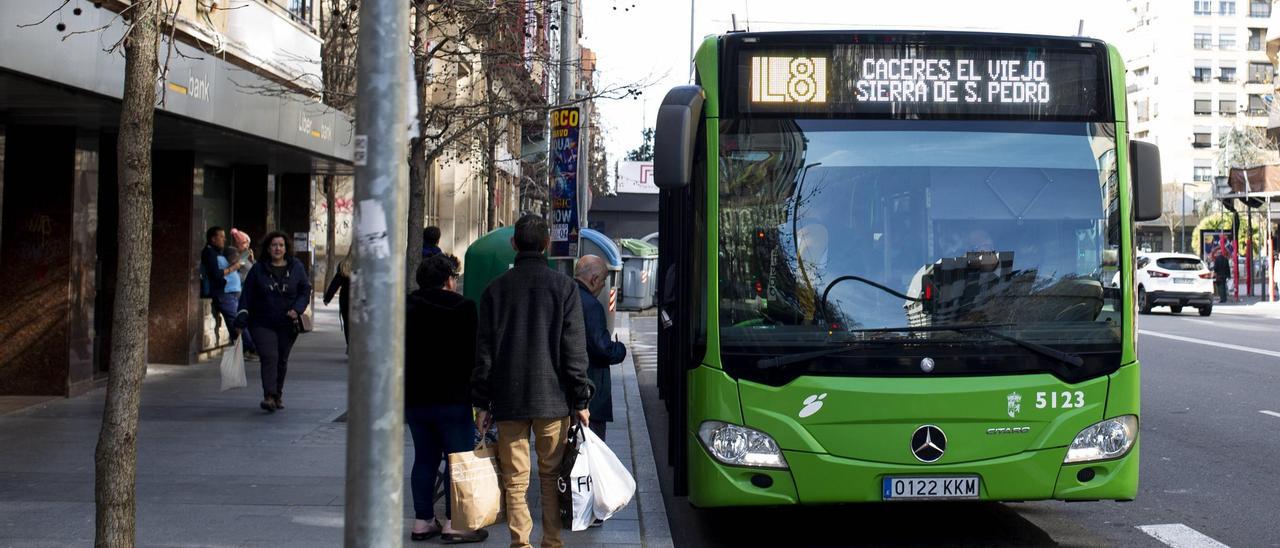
(564, 183)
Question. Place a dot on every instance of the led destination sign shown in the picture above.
(953, 81)
(925, 81)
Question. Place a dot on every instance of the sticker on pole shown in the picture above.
(360, 152)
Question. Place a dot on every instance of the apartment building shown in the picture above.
(1196, 70)
(240, 138)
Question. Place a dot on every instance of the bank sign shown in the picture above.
(564, 183)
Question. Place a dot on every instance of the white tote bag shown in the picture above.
(233, 366)
(612, 482)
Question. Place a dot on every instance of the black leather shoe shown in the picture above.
(268, 405)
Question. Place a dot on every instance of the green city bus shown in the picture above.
(888, 269)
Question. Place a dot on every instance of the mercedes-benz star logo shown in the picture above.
(928, 443)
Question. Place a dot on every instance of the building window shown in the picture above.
(1227, 107)
(1257, 105)
(1202, 174)
(300, 10)
(1144, 110)
(1203, 107)
(1203, 7)
(1227, 39)
(1259, 8)
(1203, 40)
(1227, 74)
(1260, 73)
(1141, 135)
(1257, 39)
(1202, 74)
(1202, 140)
(1227, 7)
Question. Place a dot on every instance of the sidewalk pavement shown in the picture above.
(1256, 306)
(215, 470)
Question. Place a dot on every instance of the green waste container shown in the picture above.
(486, 259)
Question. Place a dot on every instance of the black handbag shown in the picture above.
(302, 324)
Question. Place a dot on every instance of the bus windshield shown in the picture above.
(837, 231)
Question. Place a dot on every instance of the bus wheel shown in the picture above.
(1206, 310)
(1177, 308)
(1143, 306)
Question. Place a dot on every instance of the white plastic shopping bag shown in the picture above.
(233, 366)
(614, 487)
(577, 499)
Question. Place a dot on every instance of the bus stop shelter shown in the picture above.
(1252, 188)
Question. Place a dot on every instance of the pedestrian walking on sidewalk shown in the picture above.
(531, 374)
(274, 297)
(340, 285)
(602, 351)
(1221, 271)
(243, 244)
(229, 301)
(430, 242)
(213, 278)
(439, 356)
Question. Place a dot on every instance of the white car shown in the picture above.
(1174, 280)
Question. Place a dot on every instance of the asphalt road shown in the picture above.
(1210, 462)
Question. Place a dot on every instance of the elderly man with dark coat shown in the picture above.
(601, 351)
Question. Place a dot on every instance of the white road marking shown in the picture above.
(1272, 413)
(1178, 535)
(1237, 347)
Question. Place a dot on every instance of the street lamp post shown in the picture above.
(1185, 247)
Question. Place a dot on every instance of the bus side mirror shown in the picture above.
(674, 136)
(1144, 176)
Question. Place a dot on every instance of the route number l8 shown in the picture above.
(1059, 400)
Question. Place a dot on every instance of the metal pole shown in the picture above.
(692, 5)
(375, 393)
(569, 88)
(1271, 269)
(568, 51)
(1183, 229)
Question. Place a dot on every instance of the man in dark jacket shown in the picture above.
(531, 374)
(430, 242)
(1221, 272)
(216, 278)
(602, 352)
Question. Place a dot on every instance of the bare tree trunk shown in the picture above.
(115, 460)
(490, 151)
(331, 233)
(419, 166)
(491, 175)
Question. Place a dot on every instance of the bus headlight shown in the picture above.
(740, 446)
(1105, 440)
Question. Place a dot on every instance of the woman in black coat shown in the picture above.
(341, 286)
(439, 354)
(275, 295)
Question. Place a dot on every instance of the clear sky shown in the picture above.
(648, 40)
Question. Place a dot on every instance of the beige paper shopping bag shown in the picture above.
(475, 492)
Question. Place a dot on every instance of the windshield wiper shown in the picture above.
(986, 329)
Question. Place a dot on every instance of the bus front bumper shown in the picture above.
(825, 479)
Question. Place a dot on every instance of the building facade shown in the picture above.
(1196, 70)
(239, 140)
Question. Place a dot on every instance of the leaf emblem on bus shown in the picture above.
(812, 404)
